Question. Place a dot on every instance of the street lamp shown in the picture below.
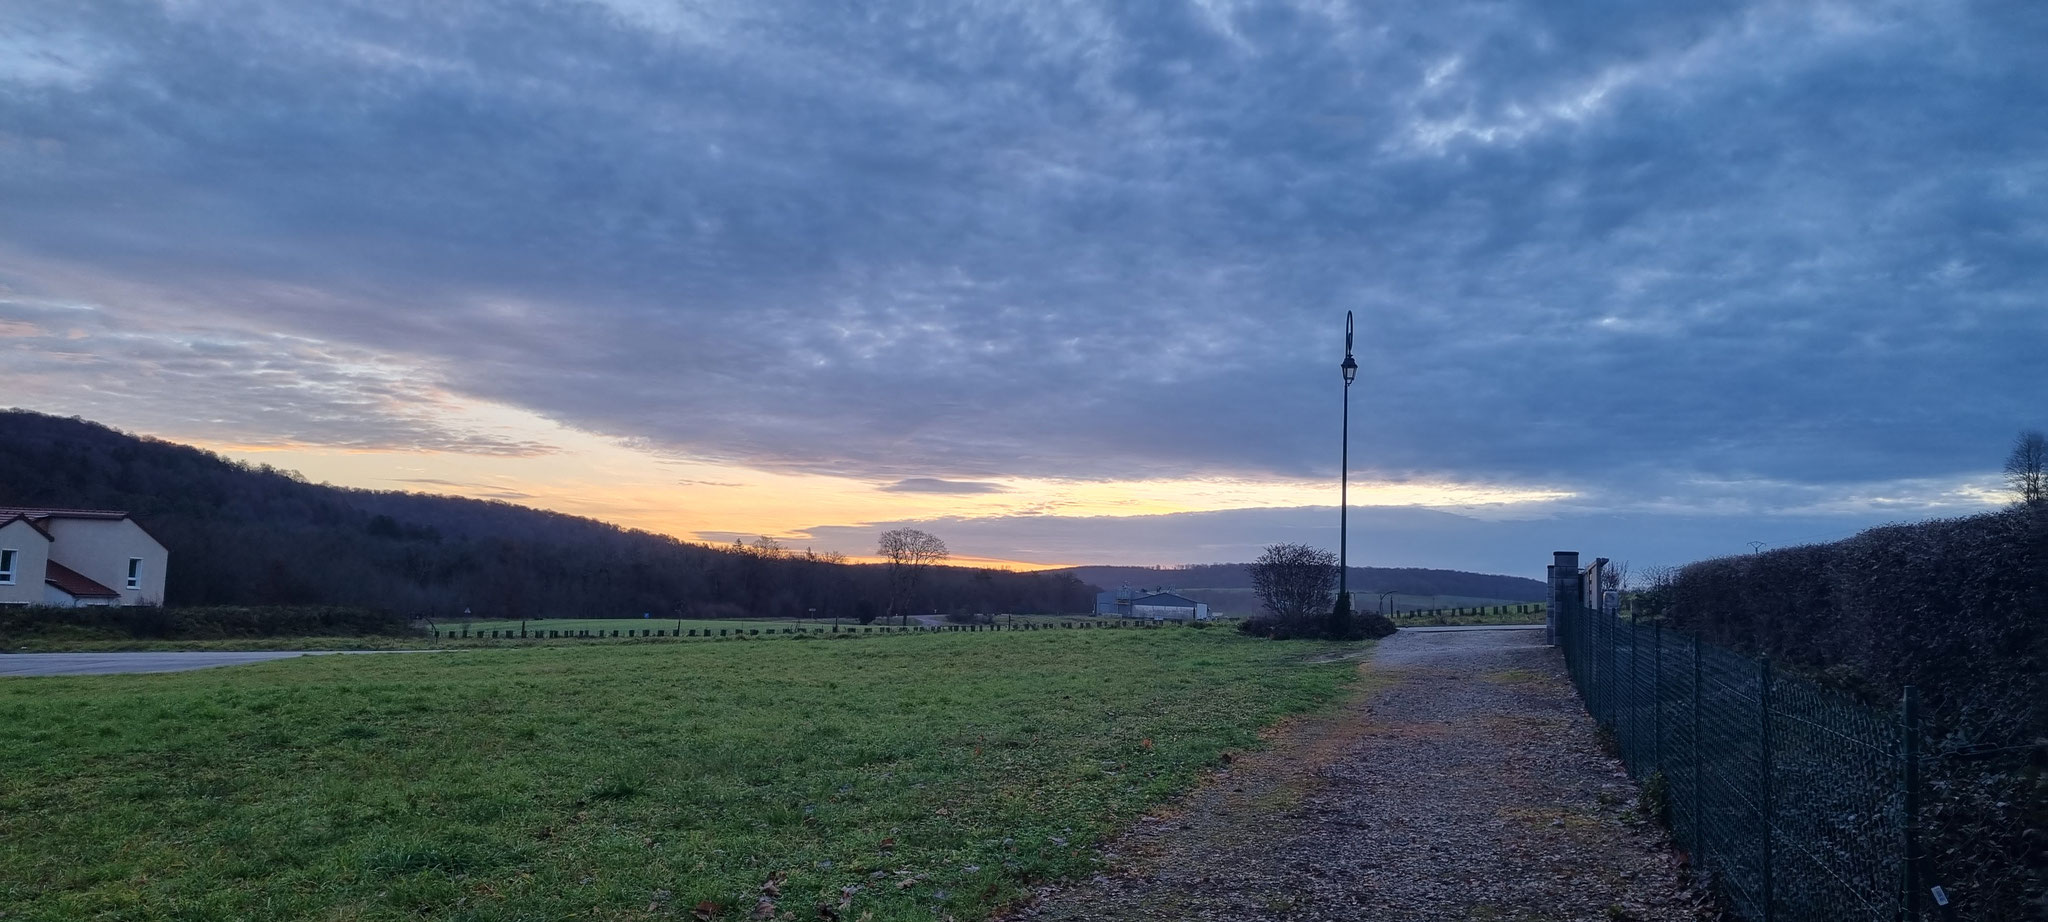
(1350, 367)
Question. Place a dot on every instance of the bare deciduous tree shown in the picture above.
(2026, 469)
(1295, 581)
(909, 552)
(1615, 575)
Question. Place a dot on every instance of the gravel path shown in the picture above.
(1463, 783)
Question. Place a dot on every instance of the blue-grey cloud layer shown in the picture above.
(1611, 244)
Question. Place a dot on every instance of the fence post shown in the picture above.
(1612, 627)
(1634, 737)
(1699, 777)
(1564, 574)
(1764, 811)
(1909, 796)
(1657, 701)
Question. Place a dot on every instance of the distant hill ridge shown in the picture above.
(1405, 580)
(244, 534)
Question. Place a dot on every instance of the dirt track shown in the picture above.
(1464, 782)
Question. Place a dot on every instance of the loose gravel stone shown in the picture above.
(1464, 782)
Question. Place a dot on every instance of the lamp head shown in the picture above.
(1350, 368)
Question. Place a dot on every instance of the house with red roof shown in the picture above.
(73, 557)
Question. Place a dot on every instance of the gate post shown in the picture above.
(1657, 703)
(1909, 782)
(1765, 809)
(1699, 778)
(1564, 590)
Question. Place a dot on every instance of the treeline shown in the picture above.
(1956, 608)
(1403, 580)
(253, 535)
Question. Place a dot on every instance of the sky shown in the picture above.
(1061, 282)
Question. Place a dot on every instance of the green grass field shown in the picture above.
(914, 777)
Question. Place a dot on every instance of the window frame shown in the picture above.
(135, 573)
(10, 560)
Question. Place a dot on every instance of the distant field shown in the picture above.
(687, 624)
(451, 636)
(1243, 603)
(916, 777)
(1512, 613)
(624, 624)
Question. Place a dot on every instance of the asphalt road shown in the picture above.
(47, 664)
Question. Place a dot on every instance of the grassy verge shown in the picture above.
(933, 775)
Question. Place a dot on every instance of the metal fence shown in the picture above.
(1793, 801)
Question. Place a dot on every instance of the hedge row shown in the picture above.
(1957, 608)
(200, 623)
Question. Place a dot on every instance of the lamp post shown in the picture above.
(1350, 367)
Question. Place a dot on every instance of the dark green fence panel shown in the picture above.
(1791, 799)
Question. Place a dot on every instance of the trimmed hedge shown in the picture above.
(1363, 626)
(198, 623)
(1957, 608)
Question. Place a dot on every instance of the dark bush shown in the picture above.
(1372, 625)
(1340, 617)
(1958, 609)
(1362, 627)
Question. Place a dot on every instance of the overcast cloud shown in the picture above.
(1686, 260)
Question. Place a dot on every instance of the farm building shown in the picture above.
(77, 557)
(1169, 606)
(1117, 603)
(1150, 604)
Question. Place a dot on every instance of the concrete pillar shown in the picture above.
(1564, 591)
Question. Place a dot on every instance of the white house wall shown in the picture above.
(31, 558)
(99, 549)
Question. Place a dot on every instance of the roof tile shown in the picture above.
(76, 584)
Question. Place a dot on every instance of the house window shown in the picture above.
(134, 572)
(6, 566)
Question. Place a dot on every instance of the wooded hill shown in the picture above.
(253, 535)
(1405, 580)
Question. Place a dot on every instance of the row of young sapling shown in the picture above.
(553, 634)
(1532, 608)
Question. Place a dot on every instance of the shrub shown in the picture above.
(1372, 625)
(1362, 627)
(1340, 617)
(1957, 608)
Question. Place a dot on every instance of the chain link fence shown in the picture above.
(1793, 801)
